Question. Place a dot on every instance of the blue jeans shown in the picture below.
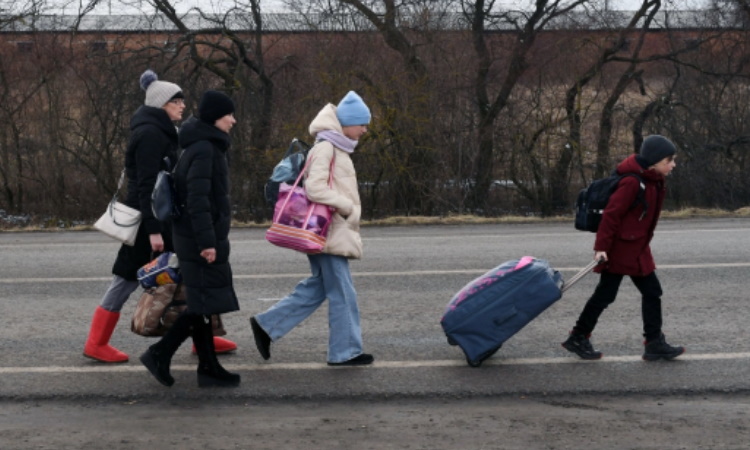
(330, 279)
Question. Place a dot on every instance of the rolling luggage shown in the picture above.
(495, 306)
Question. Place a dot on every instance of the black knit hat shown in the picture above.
(214, 105)
(655, 148)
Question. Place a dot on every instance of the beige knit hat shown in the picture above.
(158, 93)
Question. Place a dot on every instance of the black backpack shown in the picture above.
(594, 198)
(164, 203)
(287, 170)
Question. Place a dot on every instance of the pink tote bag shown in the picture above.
(298, 223)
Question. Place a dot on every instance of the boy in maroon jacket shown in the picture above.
(622, 241)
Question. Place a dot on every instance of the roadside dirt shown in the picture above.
(705, 421)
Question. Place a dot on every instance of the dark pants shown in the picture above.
(605, 294)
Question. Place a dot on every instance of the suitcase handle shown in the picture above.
(577, 277)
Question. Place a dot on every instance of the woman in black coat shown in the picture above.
(153, 136)
(201, 240)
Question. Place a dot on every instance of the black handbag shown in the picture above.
(164, 202)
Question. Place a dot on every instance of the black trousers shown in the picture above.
(605, 294)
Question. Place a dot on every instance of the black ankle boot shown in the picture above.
(215, 375)
(158, 364)
(581, 345)
(659, 349)
(210, 372)
(158, 357)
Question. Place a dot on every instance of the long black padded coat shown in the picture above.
(202, 186)
(153, 136)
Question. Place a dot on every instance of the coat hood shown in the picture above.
(631, 165)
(148, 115)
(326, 120)
(194, 130)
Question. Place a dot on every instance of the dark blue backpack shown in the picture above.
(594, 198)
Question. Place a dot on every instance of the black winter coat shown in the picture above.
(153, 137)
(202, 185)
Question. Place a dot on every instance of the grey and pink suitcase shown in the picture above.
(495, 306)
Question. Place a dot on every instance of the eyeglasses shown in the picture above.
(177, 101)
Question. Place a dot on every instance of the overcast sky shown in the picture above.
(119, 6)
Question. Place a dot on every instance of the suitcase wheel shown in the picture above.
(474, 362)
(478, 362)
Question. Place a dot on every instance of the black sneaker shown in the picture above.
(262, 339)
(659, 349)
(581, 346)
(360, 360)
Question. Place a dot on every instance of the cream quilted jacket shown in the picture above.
(343, 235)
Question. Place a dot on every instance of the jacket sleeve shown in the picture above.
(316, 183)
(618, 206)
(148, 155)
(198, 201)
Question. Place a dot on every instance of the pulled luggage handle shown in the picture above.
(585, 271)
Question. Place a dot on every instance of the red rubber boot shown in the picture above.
(97, 345)
(221, 345)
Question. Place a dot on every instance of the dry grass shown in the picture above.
(450, 220)
(689, 213)
(437, 220)
(686, 213)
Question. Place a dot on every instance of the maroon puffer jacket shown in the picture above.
(623, 234)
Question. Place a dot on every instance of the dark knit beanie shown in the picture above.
(655, 148)
(214, 105)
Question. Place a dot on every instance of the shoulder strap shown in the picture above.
(120, 182)
(330, 167)
(640, 198)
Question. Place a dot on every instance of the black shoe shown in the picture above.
(262, 339)
(361, 360)
(217, 376)
(158, 366)
(581, 346)
(659, 349)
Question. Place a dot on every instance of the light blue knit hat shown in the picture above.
(352, 110)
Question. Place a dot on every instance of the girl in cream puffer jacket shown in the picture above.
(343, 235)
(337, 130)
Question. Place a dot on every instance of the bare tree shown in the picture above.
(542, 101)
(219, 49)
(492, 98)
(18, 91)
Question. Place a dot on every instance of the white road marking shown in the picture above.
(411, 273)
(376, 365)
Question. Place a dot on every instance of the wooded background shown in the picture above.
(476, 110)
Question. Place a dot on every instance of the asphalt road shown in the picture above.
(51, 282)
